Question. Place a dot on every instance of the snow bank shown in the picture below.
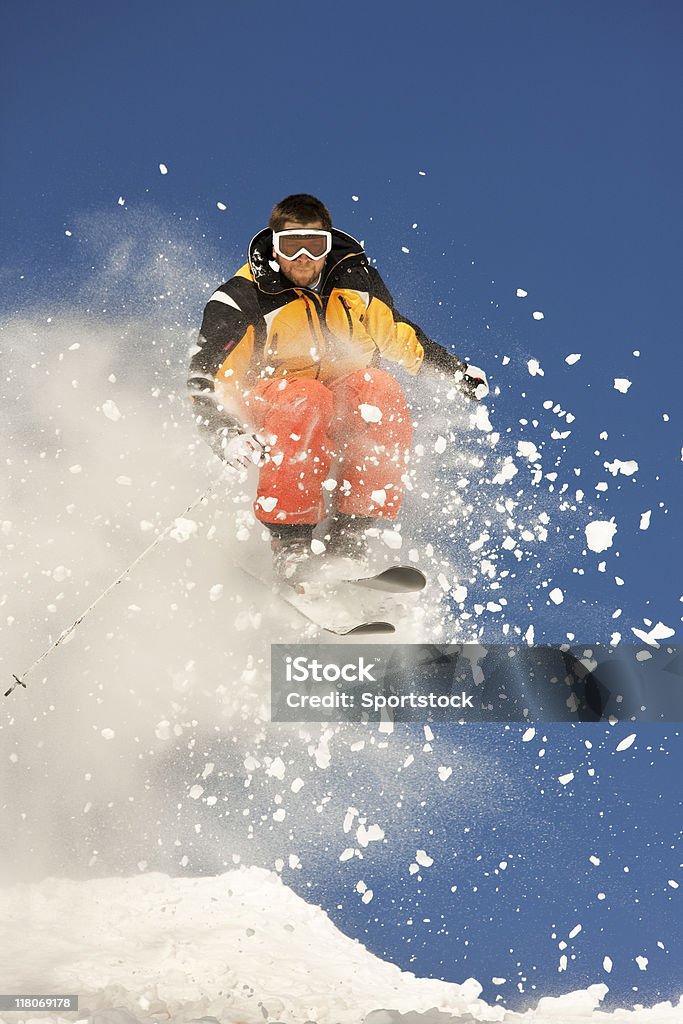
(237, 947)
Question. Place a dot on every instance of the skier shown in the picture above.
(286, 375)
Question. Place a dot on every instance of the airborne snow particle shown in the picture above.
(267, 504)
(556, 596)
(445, 773)
(626, 742)
(405, 249)
(528, 450)
(573, 358)
(392, 539)
(600, 534)
(642, 962)
(355, 198)
(658, 632)
(370, 413)
(521, 294)
(196, 792)
(534, 368)
(423, 859)
(622, 384)
(645, 520)
(76, 469)
(110, 410)
(221, 206)
(440, 445)
(627, 468)
(183, 529)
(124, 481)
(317, 546)
(108, 734)
(163, 168)
(607, 964)
(528, 735)
(216, 592)
(538, 315)
(566, 779)
(379, 497)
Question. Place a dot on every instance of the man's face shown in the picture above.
(303, 271)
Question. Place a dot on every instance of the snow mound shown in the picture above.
(239, 946)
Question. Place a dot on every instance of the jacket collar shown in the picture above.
(267, 273)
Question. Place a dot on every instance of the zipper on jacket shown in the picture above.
(314, 322)
(347, 310)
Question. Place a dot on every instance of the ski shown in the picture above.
(397, 579)
(319, 609)
(321, 612)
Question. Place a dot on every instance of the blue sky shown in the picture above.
(549, 139)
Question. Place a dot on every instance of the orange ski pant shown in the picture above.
(355, 430)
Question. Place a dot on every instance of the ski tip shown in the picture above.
(371, 627)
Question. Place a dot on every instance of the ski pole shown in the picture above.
(19, 680)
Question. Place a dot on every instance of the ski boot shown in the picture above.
(346, 546)
(291, 550)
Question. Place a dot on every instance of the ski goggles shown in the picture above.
(295, 242)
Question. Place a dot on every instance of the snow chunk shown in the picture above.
(627, 468)
(317, 546)
(528, 450)
(216, 592)
(600, 534)
(556, 596)
(537, 315)
(221, 206)
(107, 734)
(196, 792)
(566, 779)
(521, 294)
(534, 368)
(370, 413)
(267, 504)
(626, 742)
(76, 469)
(440, 445)
(124, 481)
(506, 472)
(392, 539)
(622, 384)
(573, 358)
(183, 529)
(528, 735)
(658, 632)
(379, 497)
(423, 859)
(607, 964)
(445, 773)
(645, 520)
(163, 168)
(642, 962)
(110, 410)
(276, 769)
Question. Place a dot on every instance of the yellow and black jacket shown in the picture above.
(259, 325)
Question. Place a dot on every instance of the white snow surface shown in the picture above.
(237, 947)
